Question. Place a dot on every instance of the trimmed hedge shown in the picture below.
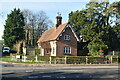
(73, 59)
(31, 57)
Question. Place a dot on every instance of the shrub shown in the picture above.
(43, 58)
(96, 45)
(31, 57)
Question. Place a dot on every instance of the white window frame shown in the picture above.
(67, 37)
(53, 50)
(67, 50)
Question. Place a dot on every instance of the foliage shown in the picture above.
(69, 59)
(43, 58)
(37, 51)
(116, 39)
(93, 25)
(95, 45)
(31, 57)
(14, 28)
(1, 45)
(78, 20)
(114, 12)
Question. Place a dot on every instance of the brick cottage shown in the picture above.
(60, 40)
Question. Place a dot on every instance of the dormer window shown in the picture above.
(67, 37)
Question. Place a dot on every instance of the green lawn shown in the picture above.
(8, 59)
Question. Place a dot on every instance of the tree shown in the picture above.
(14, 31)
(98, 24)
(114, 13)
(35, 25)
(95, 45)
(114, 20)
(1, 45)
(95, 25)
(78, 20)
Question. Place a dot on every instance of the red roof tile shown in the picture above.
(52, 33)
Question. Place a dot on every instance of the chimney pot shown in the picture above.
(58, 19)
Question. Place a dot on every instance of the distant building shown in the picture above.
(60, 40)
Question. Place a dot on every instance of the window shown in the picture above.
(67, 50)
(48, 51)
(67, 37)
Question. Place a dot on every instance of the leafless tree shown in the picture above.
(35, 25)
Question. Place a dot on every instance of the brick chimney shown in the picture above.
(58, 19)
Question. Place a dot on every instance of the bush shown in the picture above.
(58, 59)
(43, 58)
(37, 51)
(96, 45)
(76, 60)
(96, 60)
(31, 57)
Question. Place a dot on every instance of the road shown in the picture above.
(53, 72)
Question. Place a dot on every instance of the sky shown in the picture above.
(50, 7)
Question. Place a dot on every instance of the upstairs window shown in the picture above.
(67, 50)
(67, 37)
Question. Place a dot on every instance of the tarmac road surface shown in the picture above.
(55, 72)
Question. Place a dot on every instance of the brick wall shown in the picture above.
(61, 43)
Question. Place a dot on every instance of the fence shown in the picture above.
(67, 59)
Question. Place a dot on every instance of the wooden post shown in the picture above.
(117, 59)
(111, 59)
(86, 59)
(11, 57)
(106, 60)
(24, 58)
(65, 59)
(36, 58)
(113, 52)
(55, 61)
(50, 60)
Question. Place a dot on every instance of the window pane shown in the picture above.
(67, 49)
(67, 37)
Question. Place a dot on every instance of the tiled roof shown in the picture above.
(52, 33)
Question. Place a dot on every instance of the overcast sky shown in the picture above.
(50, 7)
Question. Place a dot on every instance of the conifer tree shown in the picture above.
(14, 30)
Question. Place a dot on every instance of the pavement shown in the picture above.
(23, 71)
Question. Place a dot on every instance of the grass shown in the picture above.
(8, 59)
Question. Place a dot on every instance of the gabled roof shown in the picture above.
(53, 33)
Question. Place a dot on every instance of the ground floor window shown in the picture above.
(67, 50)
(47, 51)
